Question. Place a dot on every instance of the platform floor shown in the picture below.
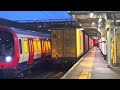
(92, 66)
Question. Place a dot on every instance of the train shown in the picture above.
(68, 45)
(96, 42)
(21, 49)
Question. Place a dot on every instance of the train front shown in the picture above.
(9, 51)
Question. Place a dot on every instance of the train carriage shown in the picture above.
(68, 44)
(21, 48)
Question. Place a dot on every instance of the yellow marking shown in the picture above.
(83, 76)
(87, 70)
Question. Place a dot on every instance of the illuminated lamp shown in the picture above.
(8, 58)
(91, 14)
(37, 38)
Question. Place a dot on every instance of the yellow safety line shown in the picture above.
(87, 70)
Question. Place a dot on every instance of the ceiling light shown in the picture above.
(49, 30)
(91, 14)
(81, 29)
(93, 23)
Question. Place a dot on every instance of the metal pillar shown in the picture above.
(108, 27)
(115, 46)
(115, 39)
(109, 46)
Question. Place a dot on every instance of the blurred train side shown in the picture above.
(69, 44)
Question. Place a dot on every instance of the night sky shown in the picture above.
(34, 15)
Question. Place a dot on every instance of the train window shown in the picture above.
(49, 45)
(25, 46)
(45, 45)
(35, 45)
(39, 46)
(6, 46)
(20, 46)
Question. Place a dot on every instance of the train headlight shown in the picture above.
(8, 58)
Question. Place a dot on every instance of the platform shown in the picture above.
(92, 66)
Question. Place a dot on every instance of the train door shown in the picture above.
(21, 51)
(25, 51)
(38, 48)
(31, 51)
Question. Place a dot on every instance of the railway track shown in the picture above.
(47, 72)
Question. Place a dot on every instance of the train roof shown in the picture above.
(28, 32)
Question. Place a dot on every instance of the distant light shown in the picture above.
(81, 29)
(105, 17)
(33, 31)
(80, 24)
(91, 15)
(73, 16)
(93, 23)
(99, 25)
(49, 30)
(100, 19)
(99, 29)
(39, 26)
(37, 38)
(8, 58)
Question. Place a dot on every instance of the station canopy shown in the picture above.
(94, 21)
(43, 21)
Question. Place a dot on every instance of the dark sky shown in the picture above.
(34, 15)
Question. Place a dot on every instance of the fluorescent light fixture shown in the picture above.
(93, 23)
(81, 29)
(100, 19)
(49, 30)
(99, 25)
(91, 14)
(80, 24)
(73, 16)
(105, 17)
